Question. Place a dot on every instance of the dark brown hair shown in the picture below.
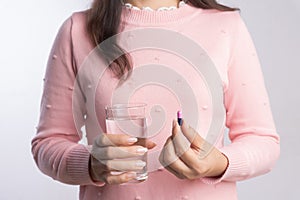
(103, 22)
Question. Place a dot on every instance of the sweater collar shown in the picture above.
(146, 17)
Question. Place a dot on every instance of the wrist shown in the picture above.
(224, 164)
(91, 170)
(220, 167)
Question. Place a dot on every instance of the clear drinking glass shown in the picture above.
(129, 119)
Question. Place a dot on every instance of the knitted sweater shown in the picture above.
(224, 40)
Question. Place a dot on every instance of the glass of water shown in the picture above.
(129, 119)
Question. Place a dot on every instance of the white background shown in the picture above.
(27, 32)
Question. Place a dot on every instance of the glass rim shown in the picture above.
(125, 105)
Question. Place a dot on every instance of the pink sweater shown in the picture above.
(254, 144)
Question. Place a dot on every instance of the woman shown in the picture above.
(220, 31)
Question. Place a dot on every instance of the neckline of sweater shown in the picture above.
(155, 17)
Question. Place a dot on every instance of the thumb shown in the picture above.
(146, 143)
(175, 128)
(197, 142)
(192, 135)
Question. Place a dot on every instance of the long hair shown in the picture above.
(103, 22)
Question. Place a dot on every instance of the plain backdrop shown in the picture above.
(27, 32)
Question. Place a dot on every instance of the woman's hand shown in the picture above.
(188, 156)
(107, 149)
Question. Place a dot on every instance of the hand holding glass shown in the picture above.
(121, 155)
(130, 119)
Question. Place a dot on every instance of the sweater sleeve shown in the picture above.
(254, 146)
(55, 147)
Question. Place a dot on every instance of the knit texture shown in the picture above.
(254, 146)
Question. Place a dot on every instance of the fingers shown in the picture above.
(189, 157)
(108, 154)
(181, 143)
(103, 140)
(146, 143)
(124, 165)
(191, 134)
(172, 163)
(200, 145)
(112, 177)
(187, 146)
(181, 170)
(118, 179)
(183, 149)
(168, 155)
(175, 173)
(112, 152)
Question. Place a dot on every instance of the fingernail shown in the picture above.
(132, 140)
(114, 173)
(142, 150)
(140, 163)
(131, 175)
